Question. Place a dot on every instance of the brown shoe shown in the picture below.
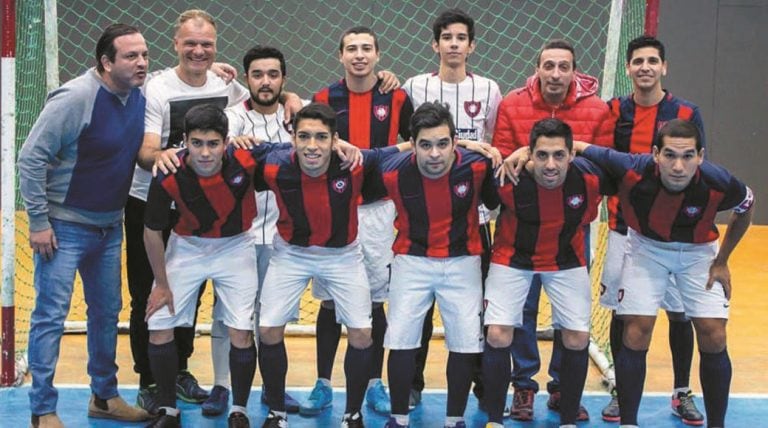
(50, 420)
(115, 408)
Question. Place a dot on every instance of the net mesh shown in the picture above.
(508, 34)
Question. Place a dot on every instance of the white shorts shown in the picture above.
(376, 233)
(454, 282)
(610, 281)
(569, 292)
(649, 263)
(230, 263)
(340, 271)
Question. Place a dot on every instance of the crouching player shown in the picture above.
(436, 189)
(213, 192)
(539, 232)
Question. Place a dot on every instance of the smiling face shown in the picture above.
(678, 162)
(454, 45)
(551, 160)
(359, 55)
(206, 151)
(555, 72)
(646, 69)
(313, 142)
(434, 150)
(195, 45)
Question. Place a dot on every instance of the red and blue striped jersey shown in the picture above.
(636, 127)
(437, 217)
(543, 229)
(369, 119)
(316, 211)
(686, 216)
(211, 207)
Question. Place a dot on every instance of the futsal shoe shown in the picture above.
(392, 423)
(187, 388)
(684, 408)
(238, 420)
(165, 421)
(115, 408)
(355, 420)
(611, 410)
(291, 405)
(49, 420)
(554, 404)
(275, 421)
(319, 399)
(217, 401)
(147, 399)
(522, 405)
(377, 398)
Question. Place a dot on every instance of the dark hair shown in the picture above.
(557, 44)
(453, 16)
(106, 43)
(644, 42)
(261, 52)
(359, 30)
(206, 117)
(551, 128)
(322, 112)
(431, 115)
(678, 128)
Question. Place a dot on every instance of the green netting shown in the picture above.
(509, 34)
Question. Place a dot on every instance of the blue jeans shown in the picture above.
(95, 253)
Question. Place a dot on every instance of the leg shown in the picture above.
(357, 362)
(376, 395)
(327, 339)
(164, 361)
(401, 366)
(242, 366)
(421, 354)
(631, 365)
(575, 361)
(525, 351)
(496, 370)
(715, 370)
(274, 365)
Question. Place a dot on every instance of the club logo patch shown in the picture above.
(575, 201)
(461, 189)
(236, 180)
(381, 112)
(340, 185)
(472, 108)
(692, 211)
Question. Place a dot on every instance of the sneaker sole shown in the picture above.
(522, 416)
(313, 412)
(209, 412)
(611, 418)
(186, 399)
(101, 415)
(688, 421)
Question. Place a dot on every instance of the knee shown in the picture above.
(359, 338)
(500, 336)
(160, 337)
(271, 335)
(240, 338)
(575, 340)
(711, 335)
(638, 331)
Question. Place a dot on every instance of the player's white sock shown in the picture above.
(235, 409)
(324, 381)
(451, 421)
(401, 419)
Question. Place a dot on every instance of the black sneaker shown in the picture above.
(291, 405)
(355, 420)
(217, 402)
(684, 408)
(275, 421)
(165, 421)
(238, 420)
(187, 388)
(147, 399)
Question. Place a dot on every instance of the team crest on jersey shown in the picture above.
(575, 201)
(692, 211)
(340, 185)
(381, 112)
(237, 179)
(472, 108)
(461, 189)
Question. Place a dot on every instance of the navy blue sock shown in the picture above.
(616, 335)
(573, 376)
(459, 371)
(379, 328)
(164, 362)
(357, 366)
(328, 336)
(497, 368)
(630, 377)
(274, 366)
(401, 367)
(242, 366)
(681, 346)
(715, 373)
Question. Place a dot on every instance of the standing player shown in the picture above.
(557, 90)
(640, 115)
(213, 193)
(170, 94)
(669, 201)
(74, 173)
(437, 189)
(317, 238)
(473, 102)
(540, 233)
(368, 119)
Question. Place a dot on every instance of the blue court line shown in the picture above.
(744, 409)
